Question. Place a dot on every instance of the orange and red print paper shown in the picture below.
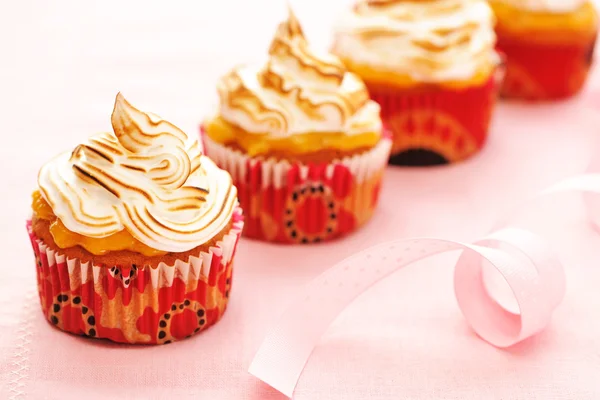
(436, 125)
(136, 304)
(303, 203)
(544, 71)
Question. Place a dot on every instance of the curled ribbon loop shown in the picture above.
(524, 260)
(537, 282)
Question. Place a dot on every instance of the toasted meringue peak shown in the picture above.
(147, 178)
(297, 91)
(429, 40)
(291, 27)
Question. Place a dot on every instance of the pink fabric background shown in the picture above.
(405, 339)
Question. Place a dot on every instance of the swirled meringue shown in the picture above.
(297, 91)
(147, 178)
(429, 41)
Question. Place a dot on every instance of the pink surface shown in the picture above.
(405, 338)
(523, 261)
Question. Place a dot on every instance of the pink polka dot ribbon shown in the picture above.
(524, 261)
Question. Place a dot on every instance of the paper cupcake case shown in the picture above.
(136, 304)
(432, 126)
(545, 71)
(303, 203)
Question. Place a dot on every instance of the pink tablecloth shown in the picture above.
(404, 339)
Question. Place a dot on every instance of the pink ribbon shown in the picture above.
(529, 267)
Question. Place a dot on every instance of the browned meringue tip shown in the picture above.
(124, 126)
(120, 102)
(293, 24)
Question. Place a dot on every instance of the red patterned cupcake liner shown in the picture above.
(544, 71)
(136, 304)
(303, 203)
(432, 126)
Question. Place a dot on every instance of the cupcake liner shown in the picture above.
(303, 203)
(136, 304)
(432, 126)
(544, 71)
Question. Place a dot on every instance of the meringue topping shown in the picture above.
(297, 91)
(147, 178)
(427, 40)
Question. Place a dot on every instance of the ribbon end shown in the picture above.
(271, 379)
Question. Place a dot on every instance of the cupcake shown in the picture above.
(432, 67)
(134, 234)
(549, 46)
(302, 141)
